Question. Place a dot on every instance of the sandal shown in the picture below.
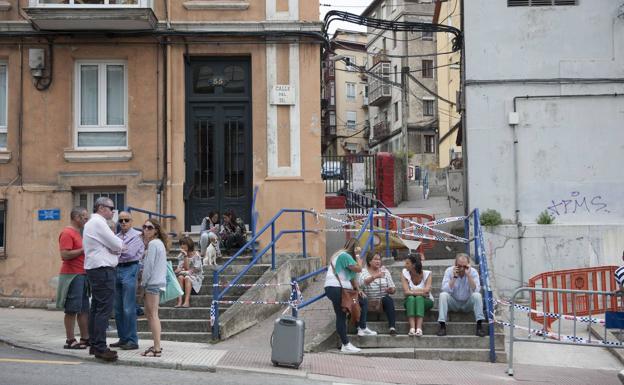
(150, 352)
(73, 344)
(85, 342)
(412, 332)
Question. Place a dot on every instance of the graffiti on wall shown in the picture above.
(579, 203)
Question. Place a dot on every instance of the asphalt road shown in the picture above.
(26, 367)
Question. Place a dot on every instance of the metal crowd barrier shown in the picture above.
(543, 335)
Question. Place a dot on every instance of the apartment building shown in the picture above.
(389, 52)
(177, 107)
(345, 95)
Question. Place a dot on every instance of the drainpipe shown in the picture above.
(464, 115)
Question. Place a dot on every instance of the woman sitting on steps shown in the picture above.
(189, 271)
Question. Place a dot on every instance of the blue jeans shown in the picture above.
(335, 296)
(102, 281)
(125, 303)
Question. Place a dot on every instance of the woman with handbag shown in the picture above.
(342, 290)
(417, 288)
(376, 282)
(154, 279)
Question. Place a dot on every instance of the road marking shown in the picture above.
(25, 361)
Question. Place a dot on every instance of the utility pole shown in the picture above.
(404, 111)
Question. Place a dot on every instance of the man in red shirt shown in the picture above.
(72, 293)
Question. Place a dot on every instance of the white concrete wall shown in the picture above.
(513, 259)
(570, 151)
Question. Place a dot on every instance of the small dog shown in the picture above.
(212, 251)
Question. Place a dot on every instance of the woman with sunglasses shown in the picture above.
(154, 279)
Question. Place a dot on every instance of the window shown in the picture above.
(428, 105)
(86, 198)
(101, 105)
(396, 74)
(383, 11)
(92, 3)
(394, 38)
(2, 227)
(396, 111)
(427, 68)
(351, 91)
(332, 93)
(332, 118)
(352, 66)
(3, 105)
(430, 144)
(539, 3)
(351, 120)
(383, 43)
(427, 35)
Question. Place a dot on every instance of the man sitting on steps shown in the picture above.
(461, 292)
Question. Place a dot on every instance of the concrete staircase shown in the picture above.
(460, 343)
(193, 324)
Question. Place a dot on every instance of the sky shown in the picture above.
(351, 6)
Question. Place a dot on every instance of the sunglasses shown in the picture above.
(124, 220)
(148, 227)
(109, 207)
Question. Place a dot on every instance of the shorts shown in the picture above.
(77, 300)
(152, 289)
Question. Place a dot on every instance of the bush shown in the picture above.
(545, 219)
(491, 217)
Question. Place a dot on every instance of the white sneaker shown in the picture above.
(366, 332)
(349, 348)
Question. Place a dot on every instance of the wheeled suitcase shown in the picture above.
(287, 341)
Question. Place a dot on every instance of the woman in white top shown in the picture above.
(154, 279)
(417, 288)
(189, 272)
(376, 282)
(341, 273)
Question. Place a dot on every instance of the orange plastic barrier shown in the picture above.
(592, 278)
(396, 225)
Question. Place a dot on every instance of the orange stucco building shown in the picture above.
(179, 107)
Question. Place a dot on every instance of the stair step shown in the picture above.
(427, 341)
(177, 325)
(480, 355)
(186, 313)
(145, 337)
(429, 328)
(431, 315)
(203, 301)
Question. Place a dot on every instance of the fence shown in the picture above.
(541, 335)
(355, 172)
(357, 203)
(594, 278)
(472, 226)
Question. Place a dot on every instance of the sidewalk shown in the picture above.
(250, 351)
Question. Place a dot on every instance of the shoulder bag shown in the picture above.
(374, 305)
(349, 299)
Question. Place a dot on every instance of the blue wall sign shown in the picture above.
(49, 214)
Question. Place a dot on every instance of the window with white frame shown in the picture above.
(332, 94)
(427, 35)
(351, 91)
(3, 105)
(396, 111)
(428, 107)
(332, 118)
(86, 198)
(89, 3)
(351, 120)
(352, 64)
(101, 105)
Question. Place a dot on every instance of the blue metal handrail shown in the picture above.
(480, 258)
(253, 219)
(217, 295)
(149, 213)
(484, 275)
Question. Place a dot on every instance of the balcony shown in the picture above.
(381, 130)
(379, 89)
(92, 15)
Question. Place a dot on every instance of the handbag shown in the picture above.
(173, 289)
(375, 305)
(349, 300)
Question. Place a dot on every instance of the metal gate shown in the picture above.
(349, 172)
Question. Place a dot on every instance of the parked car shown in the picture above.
(332, 170)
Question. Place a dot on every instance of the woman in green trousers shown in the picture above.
(417, 288)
